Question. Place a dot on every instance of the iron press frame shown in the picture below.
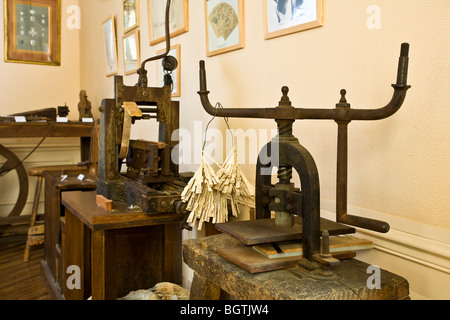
(283, 197)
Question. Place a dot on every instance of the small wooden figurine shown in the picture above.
(84, 106)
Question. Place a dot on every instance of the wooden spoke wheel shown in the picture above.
(13, 164)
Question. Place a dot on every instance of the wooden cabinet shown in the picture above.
(51, 265)
(115, 252)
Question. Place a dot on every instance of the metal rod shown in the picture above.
(143, 81)
(341, 188)
(341, 171)
(393, 106)
(167, 31)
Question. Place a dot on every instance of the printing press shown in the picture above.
(152, 180)
(297, 210)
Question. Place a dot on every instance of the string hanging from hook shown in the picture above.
(217, 106)
(209, 194)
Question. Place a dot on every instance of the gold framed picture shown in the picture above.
(178, 19)
(284, 17)
(130, 15)
(224, 26)
(110, 45)
(33, 31)
(131, 52)
(175, 51)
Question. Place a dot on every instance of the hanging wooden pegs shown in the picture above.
(234, 187)
(200, 195)
(210, 195)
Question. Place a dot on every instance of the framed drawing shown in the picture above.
(179, 19)
(110, 45)
(131, 52)
(175, 51)
(288, 16)
(130, 15)
(224, 26)
(33, 31)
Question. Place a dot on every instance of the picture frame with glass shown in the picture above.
(283, 17)
(130, 15)
(110, 46)
(224, 26)
(179, 19)
(33, 31)
(131, 52)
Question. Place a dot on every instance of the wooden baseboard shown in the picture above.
(417, 251)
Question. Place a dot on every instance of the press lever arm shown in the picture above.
(143, 80)
(393, 106)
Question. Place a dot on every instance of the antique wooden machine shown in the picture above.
(297, 210)
(152, 181)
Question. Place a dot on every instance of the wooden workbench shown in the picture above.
(214, 275)
(50, 129)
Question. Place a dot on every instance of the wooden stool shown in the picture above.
(36, 232)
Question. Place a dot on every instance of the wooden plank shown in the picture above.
(22, 219)
(20, 280)
(36, 230)
(337, 244)
(83, 205)
(74, 256)
(255, 262)
(98, 266)
(259, 231)
(44, 129)
(172, 253)
(104, 203)
(6, 231)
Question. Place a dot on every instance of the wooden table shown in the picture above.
(50, 129)
(214, 275)
(118, 251)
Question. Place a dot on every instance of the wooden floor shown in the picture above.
(20, 280)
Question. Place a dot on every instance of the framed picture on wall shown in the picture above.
(33, 31)
(110, 45)
(224, 26)
(284, 17)
(175, 51)
(131, 52)
(178, 19)
(130, 15)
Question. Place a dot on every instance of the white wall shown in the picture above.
(27, 87)
(398, 167)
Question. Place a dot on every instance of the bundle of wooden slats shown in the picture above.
(209, 194)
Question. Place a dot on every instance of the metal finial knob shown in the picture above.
(343, 99)
(285, 99)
